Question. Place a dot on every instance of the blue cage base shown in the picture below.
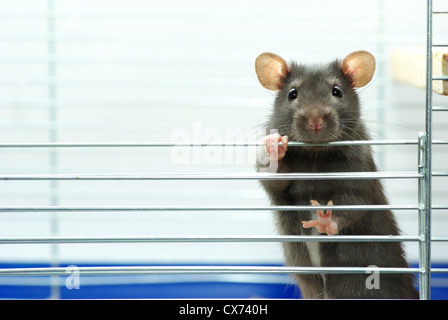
(40, 288)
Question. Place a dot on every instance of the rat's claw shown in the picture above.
(324, 223)
(328, 213)
(273, 148)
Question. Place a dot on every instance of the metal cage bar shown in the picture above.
(225, 238)
(425, 215)
(202, 144)
(61, 271)
(211, 208)
(217, 176)
(230, 238)
(55, 271)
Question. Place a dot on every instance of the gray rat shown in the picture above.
(319, 104)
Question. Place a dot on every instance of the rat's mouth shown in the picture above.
(325, 133)
(316, 139)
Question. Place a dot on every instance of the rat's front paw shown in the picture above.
(274, 149)
(324, 223)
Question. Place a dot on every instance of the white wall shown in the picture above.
(137, 71)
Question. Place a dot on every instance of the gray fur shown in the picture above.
(342, 122)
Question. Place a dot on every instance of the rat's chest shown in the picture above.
(303, 191)
(316, 188)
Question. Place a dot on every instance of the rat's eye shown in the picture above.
(292, 94)
(336, 92)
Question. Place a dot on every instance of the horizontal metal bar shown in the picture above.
(208, 208)
(128, 144)
(440, 12)
(440, 77)
(438, 141)
(182, 239)
(60, 271)
(217, 176)
(439, 108)
(440, 173)
(440, 45)
(439, 270)
(440, 207)
(439, 239)
(200, 144)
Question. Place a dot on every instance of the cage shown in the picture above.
(130, 131)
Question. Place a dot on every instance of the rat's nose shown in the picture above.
(315, 117)
(316, 124)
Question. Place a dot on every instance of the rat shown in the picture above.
(318, 104)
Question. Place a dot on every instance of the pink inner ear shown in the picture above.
(360, 66)
(271, 69)
(276, 73)
(351, 66)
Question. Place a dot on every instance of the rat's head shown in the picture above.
(316, 104)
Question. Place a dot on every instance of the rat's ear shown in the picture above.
(271, 70)
(360, 65)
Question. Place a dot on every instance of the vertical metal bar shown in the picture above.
(53, 137)
(421, 211)
(426, 262)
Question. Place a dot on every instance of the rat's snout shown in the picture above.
(316, 123)
(315, 119)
